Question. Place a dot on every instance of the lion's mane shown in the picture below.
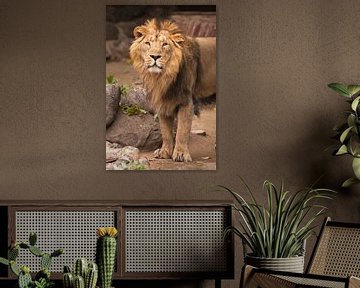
(180, 79)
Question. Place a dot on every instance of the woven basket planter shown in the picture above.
(291, 264)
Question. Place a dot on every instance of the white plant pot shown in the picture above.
(291, 264)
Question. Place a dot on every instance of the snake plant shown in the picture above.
(279, 228)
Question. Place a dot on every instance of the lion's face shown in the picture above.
(157, 47)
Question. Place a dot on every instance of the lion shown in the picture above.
(177, 71)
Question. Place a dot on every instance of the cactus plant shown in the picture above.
(79, 282)
(105, 254)
(84, 274)
(80, 268)
(42, 278)
(91, 276)
(24, 277)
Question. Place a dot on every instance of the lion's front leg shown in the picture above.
(184, 121)
(166, 127)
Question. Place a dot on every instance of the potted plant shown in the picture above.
(348, 132)
(42, 278)
(275, 233)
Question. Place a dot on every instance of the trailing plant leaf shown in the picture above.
(353, 89)
(349, 182)
(356, 167)
(355, 103)
(349, 132)
(342, 150)
(340, 88)
(345, 134)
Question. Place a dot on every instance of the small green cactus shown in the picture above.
(68, 280)
(91, 276)
(106, 254)
(42, 278)
(84, 274)
(79, 282)
(80, 267)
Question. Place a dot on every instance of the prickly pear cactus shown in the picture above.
(24, 280)
(106, 254)
(13, 253)
(32, 238)
(45, 261)
(36, 251)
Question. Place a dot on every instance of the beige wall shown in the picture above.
(275, 113)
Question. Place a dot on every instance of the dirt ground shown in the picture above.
(202, 148)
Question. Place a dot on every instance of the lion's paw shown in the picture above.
(181, 156)
(162, 153)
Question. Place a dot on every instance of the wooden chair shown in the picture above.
(334, 263)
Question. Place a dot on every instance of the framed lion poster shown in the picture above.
(161, 87)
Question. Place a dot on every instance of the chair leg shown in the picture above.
(246, 273)
(217, 283)
(250, 278)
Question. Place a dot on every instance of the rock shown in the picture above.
(118, 49)
(141, 131)
(126, 158)
(111, 31)
(137, 96)
(199, 132)
(116, 13)
(112, 102)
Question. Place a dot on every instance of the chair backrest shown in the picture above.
(337, 251)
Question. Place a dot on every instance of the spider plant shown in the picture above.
(279, 229)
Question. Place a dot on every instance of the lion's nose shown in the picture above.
(155, 57)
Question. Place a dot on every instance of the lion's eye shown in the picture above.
(147, 43)
(165, 44)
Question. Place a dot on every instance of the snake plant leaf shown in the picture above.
(342, 150)
(356, 167)
(353, 89)
(349, 182)
(355, 103)
(340, 88)
(345, 134)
